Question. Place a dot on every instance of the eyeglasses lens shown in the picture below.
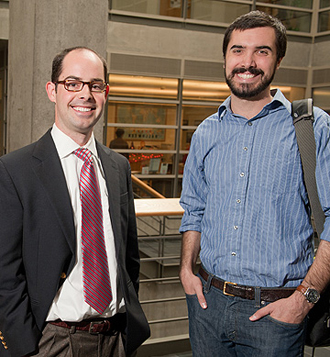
(76, 86)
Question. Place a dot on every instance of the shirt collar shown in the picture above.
(278, 98)
(65, 145)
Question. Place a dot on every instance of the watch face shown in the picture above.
(312, 295)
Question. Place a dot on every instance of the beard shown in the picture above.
(248, 90)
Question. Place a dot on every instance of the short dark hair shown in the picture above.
(57, 65)
(120, 132)
(256, 19)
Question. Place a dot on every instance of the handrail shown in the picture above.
(146, 187)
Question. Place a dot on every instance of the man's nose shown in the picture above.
(248, 60)
(86, 91)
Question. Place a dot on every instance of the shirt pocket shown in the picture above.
(278, 170)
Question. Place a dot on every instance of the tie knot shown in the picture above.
(83, 154)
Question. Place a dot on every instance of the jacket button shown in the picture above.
(63, 276)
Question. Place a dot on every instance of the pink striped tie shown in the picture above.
(97, 290)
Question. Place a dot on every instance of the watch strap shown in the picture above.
(302, 289)
(311, 295)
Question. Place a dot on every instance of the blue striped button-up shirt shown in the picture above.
(243, 190)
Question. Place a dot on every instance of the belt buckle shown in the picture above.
(91, 331)
(225, 286)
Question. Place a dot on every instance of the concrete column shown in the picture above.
(39, 29)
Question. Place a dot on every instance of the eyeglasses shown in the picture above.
(74, 85)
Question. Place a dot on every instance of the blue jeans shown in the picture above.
(224, 329)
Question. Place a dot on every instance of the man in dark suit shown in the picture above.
(46, 308)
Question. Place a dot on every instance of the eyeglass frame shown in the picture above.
(83, 84)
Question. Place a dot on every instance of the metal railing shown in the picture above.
(161, 294)
(145, 188)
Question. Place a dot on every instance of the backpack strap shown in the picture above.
(302, 114)
(302, 109)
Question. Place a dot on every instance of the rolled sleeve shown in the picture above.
(322, 138)
(194, 188)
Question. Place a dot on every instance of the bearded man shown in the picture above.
(247, 210)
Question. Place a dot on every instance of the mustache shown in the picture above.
(254, 71)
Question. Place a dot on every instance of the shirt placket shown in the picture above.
(244, 152)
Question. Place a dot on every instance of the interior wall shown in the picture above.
(48, 28)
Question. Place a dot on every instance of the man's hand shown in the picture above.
(192, 285)
(291, 310)
(189, 253)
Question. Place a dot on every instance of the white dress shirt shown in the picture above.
(69, 304)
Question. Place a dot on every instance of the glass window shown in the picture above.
(291, 93)
(151, 163)
(192, 116)
(204, 91)
(324, 3)
(186, 135)
(324, 21)
(146, 114)
(161, 184)
(161, 7)
(182, 161)
(179, 187)
(217, 11)
(170, 8)
(307, 4)
(145, 125)
(142, 125)
(321, 97)
(292, 19)
(140, 86)
(141, 6)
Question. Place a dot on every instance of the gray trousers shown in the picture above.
(64, 342)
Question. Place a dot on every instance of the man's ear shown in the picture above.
(278, 63)
(51, 91)
(107, 91)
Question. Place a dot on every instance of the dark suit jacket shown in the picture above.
(38, 242)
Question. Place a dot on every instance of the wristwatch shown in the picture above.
(310, 294)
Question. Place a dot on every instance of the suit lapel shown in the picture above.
(48, 168)
(113, 186)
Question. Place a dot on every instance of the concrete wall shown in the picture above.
(163, 42)
(321, 53)
(187, 44)
(39, 29)
(298, 54)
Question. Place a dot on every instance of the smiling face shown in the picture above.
(250, 62)
(76, 113)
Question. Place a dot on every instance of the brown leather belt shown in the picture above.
(115, 323)
(247, 292)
